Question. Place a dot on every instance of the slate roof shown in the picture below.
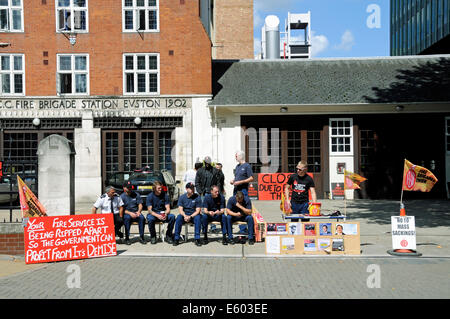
(332, 81)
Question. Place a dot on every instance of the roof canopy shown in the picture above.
(407, 79)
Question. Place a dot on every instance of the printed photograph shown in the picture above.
(338, 244)
(271, 228)
(288, 243)
(295, 228)
(339, 230)
(323, 243)
(282, 229)
(310, 229)
(309, 245)
(325, 229)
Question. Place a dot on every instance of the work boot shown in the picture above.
(224, 240)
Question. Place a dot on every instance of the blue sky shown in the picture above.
(339, 28)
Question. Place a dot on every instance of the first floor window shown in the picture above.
(12, 74)
(71, 15)
(73, 74)
(11, 15)
(140, 15)
(341, 136)
(141, 73)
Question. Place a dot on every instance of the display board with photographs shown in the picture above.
(309, 238)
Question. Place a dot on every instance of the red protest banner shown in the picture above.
(58, 238)
(270, 186)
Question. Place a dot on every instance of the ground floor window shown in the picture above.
(127, 150)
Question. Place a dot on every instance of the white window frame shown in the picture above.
(71, 8)
(147, 72)
(12, 72)
(10, 7)
(341, 135)
(73, 72)
(135, 9)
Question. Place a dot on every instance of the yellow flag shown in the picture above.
(417, 178)
(352, 180)
(29, 204)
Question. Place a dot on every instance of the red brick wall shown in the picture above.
(11, 244)
(187, 71)
(233, 37)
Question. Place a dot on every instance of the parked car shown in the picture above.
(5, 186)
(117, 179)
(143, 179)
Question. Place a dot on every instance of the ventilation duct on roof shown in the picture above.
(272, 37)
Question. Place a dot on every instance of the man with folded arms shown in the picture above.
(158, 206)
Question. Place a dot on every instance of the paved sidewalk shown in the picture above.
(432, 227)
(138, 278)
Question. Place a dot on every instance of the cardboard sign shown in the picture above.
(270, 186)
(313, 238)
(403, 232)
(57, 238)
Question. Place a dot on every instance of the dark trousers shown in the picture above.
(179, 222)
(170, 219)
(299, 208)
(247, 218)
(127, 220)
(216, 218)
(118, 223)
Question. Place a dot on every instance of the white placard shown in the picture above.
(403, 232)
(273, 244)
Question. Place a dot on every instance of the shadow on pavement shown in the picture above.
(427, 213)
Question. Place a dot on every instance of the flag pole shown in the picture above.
(402, 206)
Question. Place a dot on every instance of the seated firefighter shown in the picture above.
(239, 208)
(132, 203)
(158, 206)
(110, 202)
(213, 210)
(189, 206)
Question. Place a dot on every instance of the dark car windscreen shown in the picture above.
(144, 178)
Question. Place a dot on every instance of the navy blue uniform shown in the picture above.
(242, 172)
(189, 205)
(212, 205)
(131, 203)
(158, 205)
(243, 218)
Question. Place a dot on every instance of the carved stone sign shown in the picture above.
(103, 103)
